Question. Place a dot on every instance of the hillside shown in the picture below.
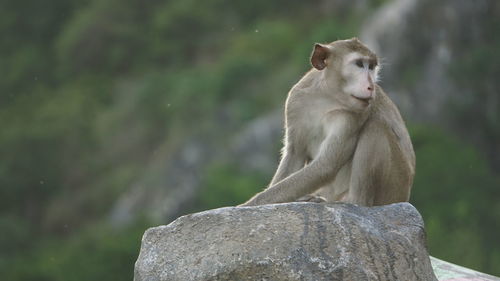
(120, 115)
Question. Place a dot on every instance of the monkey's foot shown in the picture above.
(312, 198)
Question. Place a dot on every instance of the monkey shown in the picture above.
(345, 140)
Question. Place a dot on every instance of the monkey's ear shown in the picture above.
(319, 56)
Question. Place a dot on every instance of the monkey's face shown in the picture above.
(359, 74)
(350, 69)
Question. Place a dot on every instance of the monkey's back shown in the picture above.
(400, 164)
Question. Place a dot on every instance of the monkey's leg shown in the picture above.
(335, 151)
(289, 164)
(367, 166)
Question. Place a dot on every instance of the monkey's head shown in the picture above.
(349, 68)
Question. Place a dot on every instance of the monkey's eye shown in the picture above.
(371, 66)
(359, 63)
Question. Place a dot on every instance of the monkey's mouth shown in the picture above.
(364, 101)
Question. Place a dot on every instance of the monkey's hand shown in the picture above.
(312, 198)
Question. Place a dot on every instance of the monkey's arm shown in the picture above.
(335, 151)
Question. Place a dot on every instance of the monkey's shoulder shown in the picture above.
(387, 123)
(385, 110)
(312, 106)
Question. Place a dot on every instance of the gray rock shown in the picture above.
(448, 272)
(292, 241)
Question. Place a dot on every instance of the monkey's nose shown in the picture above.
(370, 88)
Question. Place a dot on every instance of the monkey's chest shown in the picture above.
(314, 140)
(311, 137)
(310, 133)
(310, 125)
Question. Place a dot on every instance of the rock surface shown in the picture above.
(292, 241)
(446, 271)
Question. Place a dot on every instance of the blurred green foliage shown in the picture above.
(237, 188)
(479, 116)
(455, 191)
(90, 88)
(98, 253)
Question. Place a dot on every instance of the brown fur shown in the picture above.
(337, 146)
